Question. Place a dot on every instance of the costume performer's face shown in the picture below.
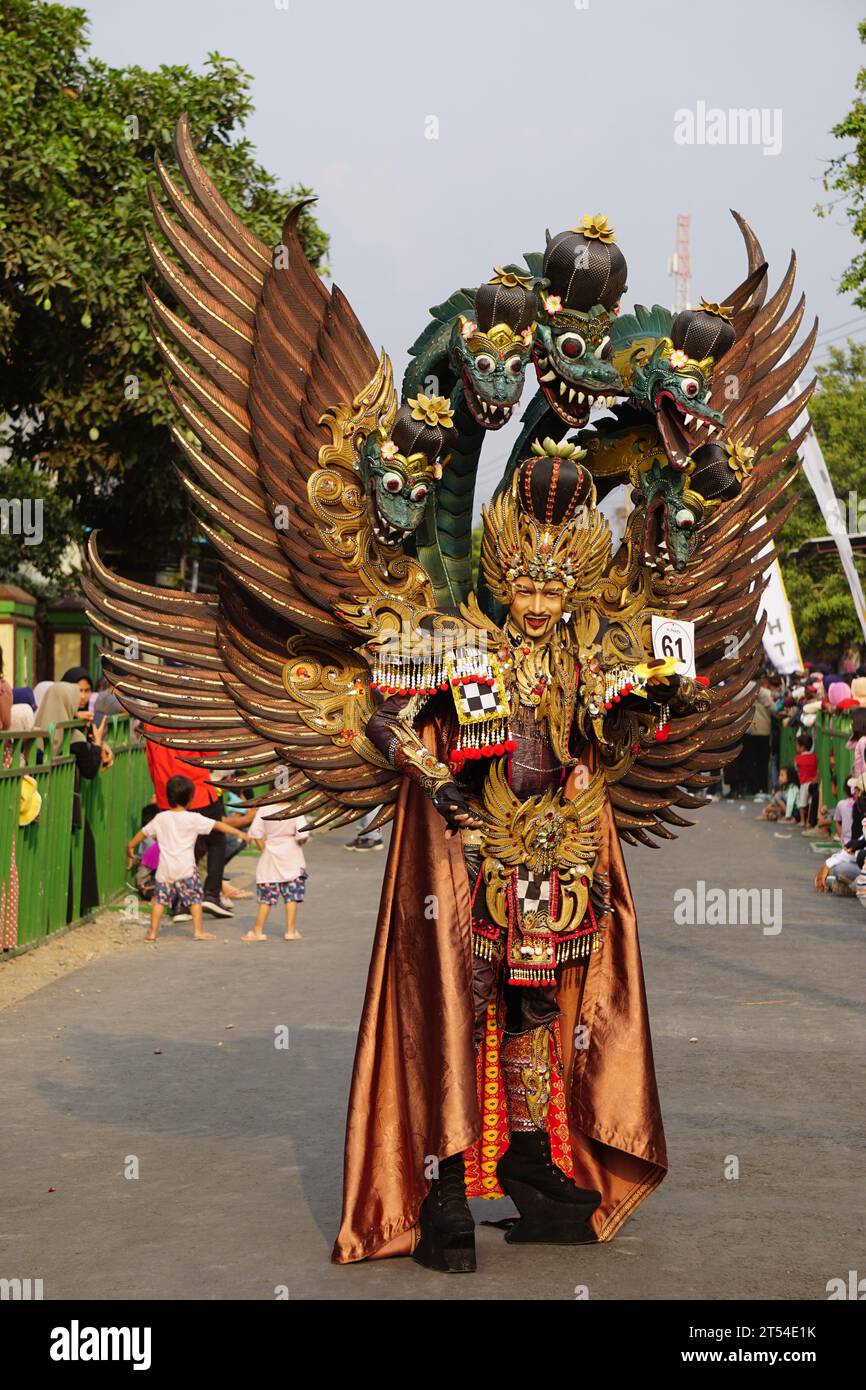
(536, 607)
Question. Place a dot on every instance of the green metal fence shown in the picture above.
(47, 856)
(835, 761)
(830, 735)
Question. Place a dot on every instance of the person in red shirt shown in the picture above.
(806, 764)
(206, 799)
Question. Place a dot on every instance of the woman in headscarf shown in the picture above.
(39, 690)
(60, 704)
(77, 675)
(20, 720)
(22, 717)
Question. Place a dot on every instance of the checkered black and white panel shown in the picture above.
(533, 890)
(478, 700)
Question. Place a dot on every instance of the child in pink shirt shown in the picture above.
(282, 871)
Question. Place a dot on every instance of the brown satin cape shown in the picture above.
(413, 1087)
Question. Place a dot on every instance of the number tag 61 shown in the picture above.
(676, 639)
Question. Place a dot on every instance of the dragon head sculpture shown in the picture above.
(583, 278)
(671, 513)
(490, 351)
(675, 502)
(669, 372)
(398, 470)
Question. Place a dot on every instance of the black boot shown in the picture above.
(553, 1209)
(447, 1240)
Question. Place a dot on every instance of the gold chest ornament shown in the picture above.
(538, 860)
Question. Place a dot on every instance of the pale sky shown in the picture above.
(545, 111)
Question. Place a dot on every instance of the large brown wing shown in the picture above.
(720, 590)
(265, 352)
(206, 673)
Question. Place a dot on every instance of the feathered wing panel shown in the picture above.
(721, 588)
(306, 420)
(273, 379)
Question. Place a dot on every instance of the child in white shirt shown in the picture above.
(176, 831)
(281, 872)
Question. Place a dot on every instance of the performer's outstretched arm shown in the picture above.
(391, 730)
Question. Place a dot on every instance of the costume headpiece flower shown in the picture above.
(510, 278)
(432, 410)
(595, 228)
(741, 458)
(722, 311)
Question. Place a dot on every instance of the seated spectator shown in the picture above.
(843, 872)
(782, 805)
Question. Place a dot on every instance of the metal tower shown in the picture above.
(680, 264)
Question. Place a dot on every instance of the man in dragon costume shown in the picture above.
(504, 1044)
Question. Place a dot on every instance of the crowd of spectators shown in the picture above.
(794, 787)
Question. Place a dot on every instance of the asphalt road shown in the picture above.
(167, 1056)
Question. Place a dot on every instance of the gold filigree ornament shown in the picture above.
(685, 365)
(336, 493)
(514, 544)
(592, 327)
(414, 467)
(331, 688)
(546, 834)
(499, 339)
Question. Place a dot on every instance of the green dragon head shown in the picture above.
(489, 352)
(671, 513)
(674, 502)
(583, 280)
(670, 372)
(399, 470)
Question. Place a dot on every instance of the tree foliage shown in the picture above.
(81, 387)
(817, 588)
(846, 177)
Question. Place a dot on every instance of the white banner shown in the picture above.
(780, 634)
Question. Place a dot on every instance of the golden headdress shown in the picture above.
(546, 527)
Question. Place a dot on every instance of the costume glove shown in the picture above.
(450, 803)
